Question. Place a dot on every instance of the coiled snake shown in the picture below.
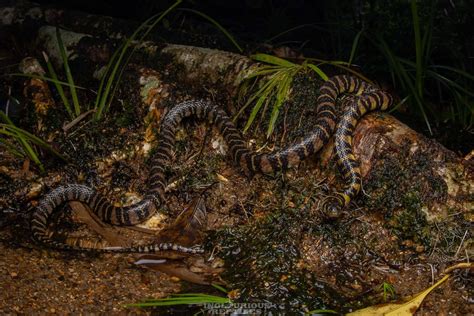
(369, 99)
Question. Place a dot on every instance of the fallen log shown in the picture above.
(448, 189)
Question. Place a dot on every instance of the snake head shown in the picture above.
(332, 206)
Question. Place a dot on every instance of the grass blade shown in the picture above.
(22, 140)
(262, 71)
(318, 71)
(108, 67)
(70, 79)
(294, 29)
(281, 97)
(261, 99)
(263, 96)
(455, 70)
(58, 86)
(104, 97)
(220, 288)
(405, 80)
(450, 84)
(426, 45)
(418, 48)
(273, 60)
(355, 45)
(36, 140)
(5, 118)
(23, 137)
(62, 83)
(254, 97)
(342, 65)
(332, 62)
(10, 147)
(394, 108)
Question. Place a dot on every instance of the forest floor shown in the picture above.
(268, 231)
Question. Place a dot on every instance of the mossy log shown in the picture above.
(445, 180)
(444, 183)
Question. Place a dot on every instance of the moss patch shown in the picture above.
(400, 187)
(263, 260)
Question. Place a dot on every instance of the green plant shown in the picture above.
(182, 299)
(105, 94)
(67, 70)
(26, 142)
(278, 76)
(321, 311)
(116, 65)
(416, 78)
(112, 74)
(58, 83)
(388, 291)
(114, 69)
(186, 299)
(69, 78)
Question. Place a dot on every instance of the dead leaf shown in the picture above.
(410, 305)
(79, 118)
(398, 309)
(94, 223)
(188, 228)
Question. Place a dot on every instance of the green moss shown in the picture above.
(262, 263)
(411, 223)
(400, 188)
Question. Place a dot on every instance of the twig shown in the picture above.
(432, 273)
(460, 245)
(71, 124)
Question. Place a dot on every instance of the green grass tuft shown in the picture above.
(25, 142)
(416, 76)
(115, 67)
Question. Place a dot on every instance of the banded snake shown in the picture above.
(369, 99)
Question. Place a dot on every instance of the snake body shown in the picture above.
(250, 162)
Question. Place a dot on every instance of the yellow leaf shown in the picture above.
(407, 308)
